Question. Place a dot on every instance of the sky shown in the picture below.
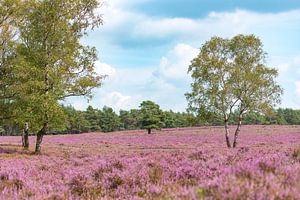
(145, 47)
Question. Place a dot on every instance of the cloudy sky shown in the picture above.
(145, 46)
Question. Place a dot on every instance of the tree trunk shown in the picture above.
(43, 131)
(25, 136)
(227, 134)
(237, 131)
(23, 139)
(39, 138)
(149, 130)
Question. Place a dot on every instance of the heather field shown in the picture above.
(188, 163)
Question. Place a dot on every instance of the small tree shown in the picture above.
(152, 116)
(230, 75)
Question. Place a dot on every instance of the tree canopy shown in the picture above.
(9, 19)
(152, 116)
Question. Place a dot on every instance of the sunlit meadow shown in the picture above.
(187, 163)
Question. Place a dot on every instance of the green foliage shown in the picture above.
(9, 17)
(1, 130)
(76, 121)
(42, 60)
(201, 193)
(109, 120)
(170, 119)
(152, 116)
(177, 119)
(93, 117)
(52, 63)
(253, 118)
(130, 120)
(288, 116)
(230, 75)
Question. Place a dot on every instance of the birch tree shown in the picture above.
(231, 75)
(54, 64)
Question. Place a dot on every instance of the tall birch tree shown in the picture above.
(54, 64)
(231, 75)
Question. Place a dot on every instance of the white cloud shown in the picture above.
(78, 103)
(175, 64)
(115, 15)
(297, 84)
(165, 27)
(118, 16)
(297, 60)
(126, 87)
(282, 68)
(225, 24)
(104, 97)
(288, 69)
(134, 77)
(105, 69)
(290, 103)
(130, 86)
(118, 101)
(123, 3)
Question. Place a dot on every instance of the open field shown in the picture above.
(188, 163)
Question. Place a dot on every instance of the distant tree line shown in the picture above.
(107, 120)
(148, 116)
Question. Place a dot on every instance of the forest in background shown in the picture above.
(107, 120)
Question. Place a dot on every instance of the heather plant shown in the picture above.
(155, 172)
(187, 163)
(296, 154)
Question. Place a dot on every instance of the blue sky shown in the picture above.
(145, 46)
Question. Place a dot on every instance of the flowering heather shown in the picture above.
(188, 163)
